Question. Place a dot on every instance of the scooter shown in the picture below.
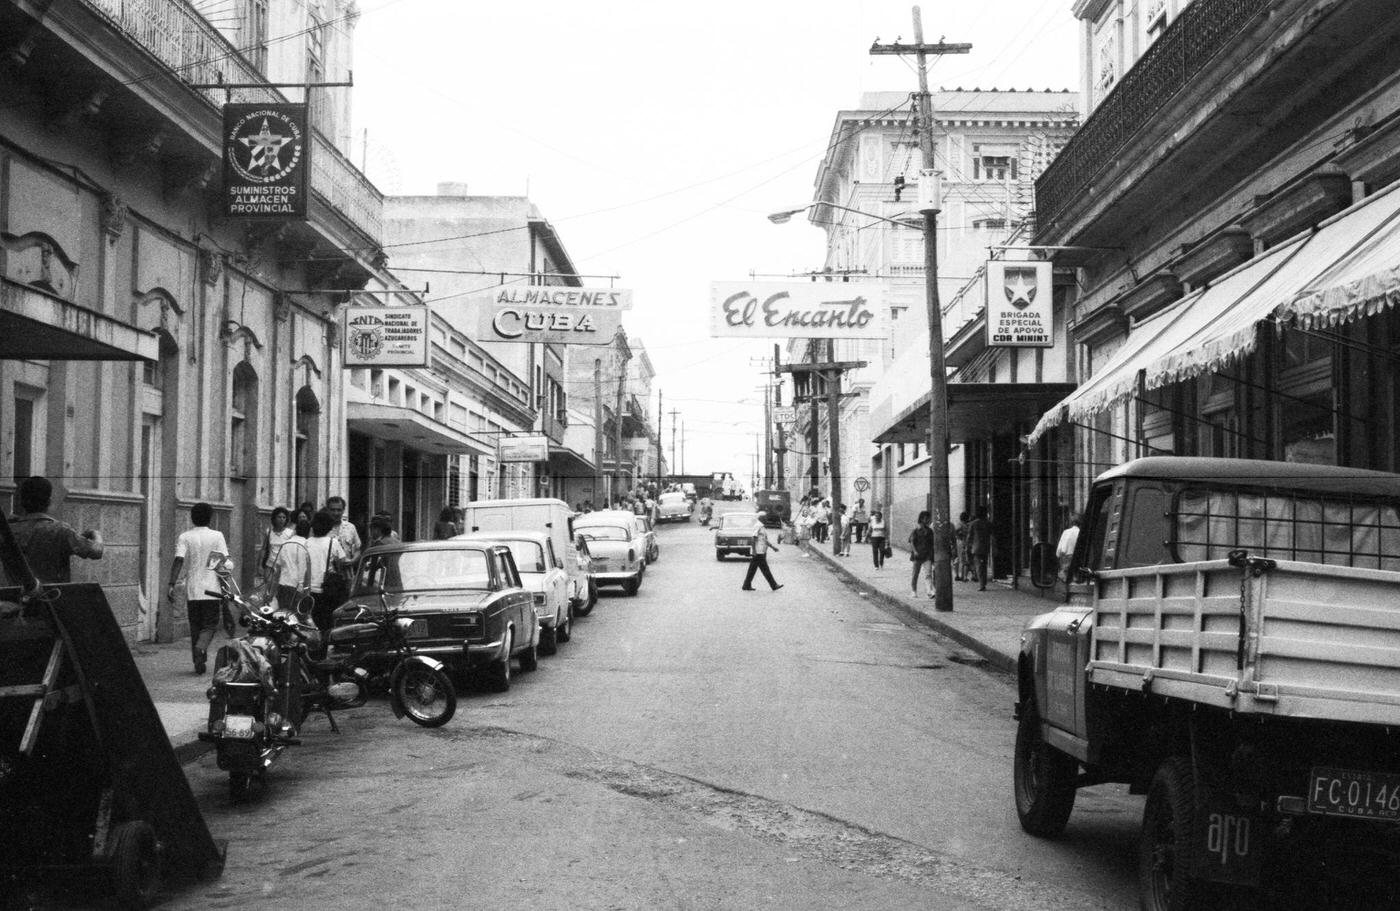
(259, 695)
(363, 642)
(705, 512)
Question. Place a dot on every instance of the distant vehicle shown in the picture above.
(543, 574)
(734, 534)
(468, 605)
(642, 528)
(615, 548)
(776, 505)
(674, 507)
(688, 489)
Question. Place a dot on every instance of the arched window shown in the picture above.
(242, 430)
(305, 454)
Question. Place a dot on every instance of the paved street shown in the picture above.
(693, 747)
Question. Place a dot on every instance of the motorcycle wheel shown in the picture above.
(242, 787)
(428, 697)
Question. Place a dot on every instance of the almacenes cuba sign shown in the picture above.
(267, 157)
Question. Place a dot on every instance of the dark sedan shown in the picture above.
(734, 534)
(465, 598)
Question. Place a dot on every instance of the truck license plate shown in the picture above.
(238, 726)
(1346, 792)
(419, 630)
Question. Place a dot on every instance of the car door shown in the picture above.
(519, 605)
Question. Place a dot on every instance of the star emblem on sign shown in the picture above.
(265, 148)
(1020, 292)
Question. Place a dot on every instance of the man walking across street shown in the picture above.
(758, 557)
(48, 543)
(192, 551)
(979, 546)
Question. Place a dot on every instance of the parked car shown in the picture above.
(734, 534)
(615, 548)
(543, 514)
(775, 506)
(641, 525)
(469, 607)
(688, 489)
(674, 507)
(543, 574)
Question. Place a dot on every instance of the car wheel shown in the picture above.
(1044, 779)
(592, 599)
(500, 668)
(530, 657)
(1166, 852)
(631, 586)
(566, 632)
(549, 640)
(135, 864)
(719, 555)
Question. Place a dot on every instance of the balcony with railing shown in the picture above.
(1197, 36)
(197, 53)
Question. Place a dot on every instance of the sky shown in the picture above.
(656, 137)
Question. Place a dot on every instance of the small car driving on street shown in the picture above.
(642, 529)
(734, 534)
(674, 507)
(543, 573)
(469, 607)
(615, 548)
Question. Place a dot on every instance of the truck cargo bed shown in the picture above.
(1279, 638)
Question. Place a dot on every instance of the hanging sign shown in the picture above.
(267, 158)
(797, 310)
(554, 314)
(384, 337)
(532, 448)
(784, 414)
(1019, 304)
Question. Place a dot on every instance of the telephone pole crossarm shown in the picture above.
(939, 48)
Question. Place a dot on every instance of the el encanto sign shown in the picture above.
(797, 310)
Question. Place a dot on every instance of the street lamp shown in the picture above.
(929, 205)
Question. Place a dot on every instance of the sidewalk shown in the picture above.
(987, 622)
(178, 693)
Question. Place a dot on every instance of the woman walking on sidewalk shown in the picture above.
(877, 538)
(921, 543)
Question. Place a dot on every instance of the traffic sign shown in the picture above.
(862, 485)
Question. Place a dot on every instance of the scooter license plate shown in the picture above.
(238, 726)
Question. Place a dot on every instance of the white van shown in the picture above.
(541, 514)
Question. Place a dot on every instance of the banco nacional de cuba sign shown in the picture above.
(267, 157)
(798, 310)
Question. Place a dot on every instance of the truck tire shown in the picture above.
(1166, 853)
(135, 865)
(1044, 779)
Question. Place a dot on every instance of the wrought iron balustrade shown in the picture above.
(1199, 33)
(197, 53)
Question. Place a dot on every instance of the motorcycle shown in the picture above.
(705, 512)
(364, 641)
(261, 688)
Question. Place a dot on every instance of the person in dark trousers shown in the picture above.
(758, 557)
(877, 538)
(193, 548)
(979, 546)
(921, 547)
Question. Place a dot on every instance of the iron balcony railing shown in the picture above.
(1199, 33)
(178, 36)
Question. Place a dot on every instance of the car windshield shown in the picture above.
(417, 570)
(604, 533)
(529, 556)
(734, 521)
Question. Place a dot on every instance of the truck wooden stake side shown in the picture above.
(1231, 649)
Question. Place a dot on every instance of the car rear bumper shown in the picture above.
(616, 578)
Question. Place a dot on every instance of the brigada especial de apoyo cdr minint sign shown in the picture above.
(267, 160)
(797, 310)
(1019, 304)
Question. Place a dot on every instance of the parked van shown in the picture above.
(541, 514)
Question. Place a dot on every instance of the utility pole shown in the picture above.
(768, 437)
(833, 418)
(674, 462)
(938, 376)
(816, 416)
(621, 387)
(597, 431)
(660, 456)
(782, 435)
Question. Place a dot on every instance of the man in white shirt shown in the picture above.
(192, 551)
(1069, 539)
(758, 557)
(344, 530)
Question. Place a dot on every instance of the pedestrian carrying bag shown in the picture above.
(889, 551)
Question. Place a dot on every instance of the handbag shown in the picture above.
(334, 589)
(889, 551)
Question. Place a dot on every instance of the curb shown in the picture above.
(188, 751)
(996, 659)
